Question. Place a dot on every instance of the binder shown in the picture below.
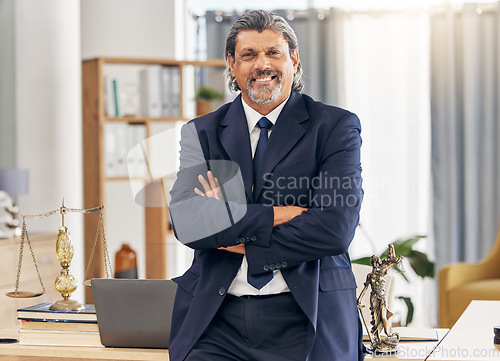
(150, 82)
(166, 86)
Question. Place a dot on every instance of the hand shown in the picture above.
(211, 188)
(240, 248)
(286, 214)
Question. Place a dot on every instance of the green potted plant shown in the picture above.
(204, 97)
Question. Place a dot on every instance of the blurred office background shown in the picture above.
(423, 77)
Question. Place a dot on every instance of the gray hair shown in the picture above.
(261, 20)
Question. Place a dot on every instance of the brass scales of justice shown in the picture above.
(65, 283)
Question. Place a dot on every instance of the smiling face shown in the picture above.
(263, 68)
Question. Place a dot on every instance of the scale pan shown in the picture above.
(23, 294)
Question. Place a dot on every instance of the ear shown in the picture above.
(230, 62)
(295, 60)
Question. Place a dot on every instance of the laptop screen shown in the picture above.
(134, 312)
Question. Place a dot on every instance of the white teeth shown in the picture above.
(263, 79)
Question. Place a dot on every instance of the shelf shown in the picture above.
(143, 120)
(152, 61)
(108, 186)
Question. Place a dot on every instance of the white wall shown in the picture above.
(131, 28)
(47, 51)
(128, 28)
(7, 111)
(48, 109)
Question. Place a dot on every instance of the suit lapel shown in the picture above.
(235, 139)
(285, 134)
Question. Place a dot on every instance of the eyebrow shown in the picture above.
(274, 47)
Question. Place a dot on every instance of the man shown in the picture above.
(271, 277)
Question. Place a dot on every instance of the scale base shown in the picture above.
(67, 305)
(377, 352)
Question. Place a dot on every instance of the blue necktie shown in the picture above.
(264, 124)
(260, 280)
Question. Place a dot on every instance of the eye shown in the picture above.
(247, 55)
(274, 53)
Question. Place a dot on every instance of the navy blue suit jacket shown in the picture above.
(313, 161)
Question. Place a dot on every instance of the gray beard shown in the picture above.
(265, 93)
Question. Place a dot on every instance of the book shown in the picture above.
(109, 98)
(42, 311)
(151, 98)
(120, 129)
(59, 338)
(115, 97)
(57, 325)
(110, 150)
(411, 334)
(115, 149)
(166, 86)
(175, 92)
(136, 133)
(416, 334)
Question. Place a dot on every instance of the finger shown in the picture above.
(218, 189)
(211, 179)
(205, 185)
(235, 249)
(213, 186)
(200, 193)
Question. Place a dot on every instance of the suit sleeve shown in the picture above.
(201, 222)
(328, 227)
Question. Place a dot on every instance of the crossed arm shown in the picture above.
(270, 234)
(211, 189)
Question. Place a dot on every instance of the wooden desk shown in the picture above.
(51, 353)
(409, 351)
(67, 353)
(412, 350)
(44, 247)
(471, 338)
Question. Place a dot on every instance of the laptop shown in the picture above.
(134, 312)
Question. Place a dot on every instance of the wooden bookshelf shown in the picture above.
(156, 219)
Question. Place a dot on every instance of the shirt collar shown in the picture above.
(253, 116)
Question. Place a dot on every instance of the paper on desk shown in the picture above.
(412, 334)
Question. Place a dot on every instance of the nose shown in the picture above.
(261, 61)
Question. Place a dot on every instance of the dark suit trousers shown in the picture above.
(254, 328)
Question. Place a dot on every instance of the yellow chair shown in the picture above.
(460, 283)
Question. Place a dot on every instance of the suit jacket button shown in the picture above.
(272, 267)
(253, 238)
(278, 265)
(266, 267)
(222, 291)
(284, 264)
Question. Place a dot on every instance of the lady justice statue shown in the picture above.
(378, 304)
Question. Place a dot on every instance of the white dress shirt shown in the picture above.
(240, 286)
